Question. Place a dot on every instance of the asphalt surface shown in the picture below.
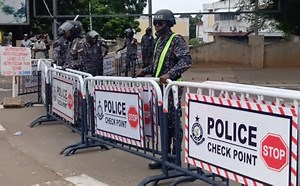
(32, 157)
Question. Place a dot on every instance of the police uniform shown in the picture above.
(90, 56)
(60, 48)
(72, 54)
(131, 54)
(147, 49)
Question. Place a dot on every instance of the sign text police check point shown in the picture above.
(245, 142)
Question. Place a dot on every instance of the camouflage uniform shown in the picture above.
(177, 61)
(72, 54)
(90, 56)
(60, 48)
(131, 55)
(147, 49)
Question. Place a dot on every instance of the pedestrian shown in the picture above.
(39, 48)
(90, 53)
(26, 42)
(131, 52)
(72, 34)
(147, 47)
(171, 58)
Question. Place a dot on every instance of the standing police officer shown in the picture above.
(147, 47)
(171, 58)
(131, 52)
(72, 35)
(90, 53)
(60, 47)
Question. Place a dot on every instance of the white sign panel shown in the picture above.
(147, 99)
(63, 98)
(109, 64)
(118, 114)
(249, 143)
(15, 61)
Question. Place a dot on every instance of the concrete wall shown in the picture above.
(256, 54)
(283, 54)
(222, 51)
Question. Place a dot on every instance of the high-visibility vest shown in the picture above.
(163, 54)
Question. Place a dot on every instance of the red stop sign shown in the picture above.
(70, 101)
(133, 117)
(274, 152)
(147, 113)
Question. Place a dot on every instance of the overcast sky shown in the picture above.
(178, 6)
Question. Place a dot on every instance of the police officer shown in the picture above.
(131, 52)
(147, 47)
(90, 53)
(171, 58)
(72, 34)
(60, 47)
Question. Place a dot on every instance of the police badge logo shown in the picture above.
(100, 114)
(197, 132)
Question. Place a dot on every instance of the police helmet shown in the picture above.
(165, 15)
(148, 30)
(73, 26)
(91, 35)
(129, 32)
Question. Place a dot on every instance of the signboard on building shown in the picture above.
(14, 12)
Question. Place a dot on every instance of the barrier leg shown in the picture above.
(85, 142)
(42, 119)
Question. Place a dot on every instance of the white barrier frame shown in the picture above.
(248, 89)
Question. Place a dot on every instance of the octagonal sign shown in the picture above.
(274, 152)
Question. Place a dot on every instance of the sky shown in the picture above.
(178, 6)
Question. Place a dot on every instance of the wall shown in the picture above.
(222, 51)
(258, 55)
(283, 54)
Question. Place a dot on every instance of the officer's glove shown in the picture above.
(140, 73)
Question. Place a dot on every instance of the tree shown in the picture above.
(282, 14)
(108, 27)
(192, 24)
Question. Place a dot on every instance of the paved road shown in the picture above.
(32, 158)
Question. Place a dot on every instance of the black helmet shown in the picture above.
(91, 35)
(165, 15)
(129, 32)
(148, 30)
(73, 26)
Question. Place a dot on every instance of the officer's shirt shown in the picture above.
(177, 60)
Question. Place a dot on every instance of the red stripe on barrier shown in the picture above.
(226, 173)
(281, 111)
(295, 141)
(258, 107)
(295, 124)
(229, 103)
(218, 171)
(204, 98)
(197, 97)
(239, 104)
(209, 167)
(294, 172)
(248, 105)
(294, 112)
(254, 183)
(189, 96)
(270, 109)
(294, 156)
(221, 102)
(245, 181)
(236, 178)
(212, 100)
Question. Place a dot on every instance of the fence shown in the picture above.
(248, 134)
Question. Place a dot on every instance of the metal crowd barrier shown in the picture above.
(31, 84)
(250, 141)
(117, 114)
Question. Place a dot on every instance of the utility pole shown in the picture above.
(256, 18)
(90, 12)
(150, 13)
(54, 19)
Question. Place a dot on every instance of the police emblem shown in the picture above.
(197, 132)
(100, 114)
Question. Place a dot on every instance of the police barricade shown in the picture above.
(63, 95)
(250, 142)
(30, 84)
(118, 115)
(120, 64)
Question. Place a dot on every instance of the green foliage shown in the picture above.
(194, 42)
(108, 27)
(285, 14)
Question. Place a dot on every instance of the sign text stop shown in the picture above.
(274, 152)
